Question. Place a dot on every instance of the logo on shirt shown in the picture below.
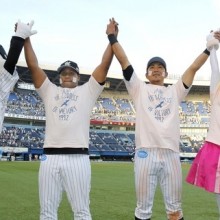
(67, 106)
(159, 105)
(65, 103)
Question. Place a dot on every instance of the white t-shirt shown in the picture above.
(68, 113)
(157, 113)
(7, 82)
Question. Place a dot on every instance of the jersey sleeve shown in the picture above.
(133, 85)
(43, 91)
(181, 91)
(7, 82)
(95, 88)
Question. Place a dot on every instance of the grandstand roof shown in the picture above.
(113, 82)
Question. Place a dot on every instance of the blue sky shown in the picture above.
(75, 29)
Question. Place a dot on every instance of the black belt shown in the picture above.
(66, 151)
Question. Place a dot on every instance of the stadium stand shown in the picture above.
(112, 121)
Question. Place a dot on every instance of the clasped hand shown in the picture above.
(24, 30)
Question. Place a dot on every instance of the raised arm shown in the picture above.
(22, 31)
(101, 70)
(25, 31)
(116, 47)
(189, 74)
(14, 52)
(215, 73)
(38, 75)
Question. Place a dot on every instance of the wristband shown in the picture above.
(207, 52)
(112, 39)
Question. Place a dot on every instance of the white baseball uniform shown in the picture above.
(157, 136)
(66, 164)
(7, 82)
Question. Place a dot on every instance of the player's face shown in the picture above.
(156, 74)
(69, 78)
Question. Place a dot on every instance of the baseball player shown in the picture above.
(65, 165)
(8, 73)
(157, 130)
(204, 171)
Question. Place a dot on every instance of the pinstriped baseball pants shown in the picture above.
(153, 166)
(69, 173)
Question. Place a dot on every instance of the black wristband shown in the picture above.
(206, 52)
(112, 39)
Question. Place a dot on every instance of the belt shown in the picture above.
(66, 151)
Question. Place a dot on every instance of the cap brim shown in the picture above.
(59, 70)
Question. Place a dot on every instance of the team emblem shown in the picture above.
(142, 154)
(43, 157)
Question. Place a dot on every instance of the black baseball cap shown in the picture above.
(157, 60)
(69, 64)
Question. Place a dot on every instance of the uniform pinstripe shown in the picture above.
(65, 164)
(8, 73)
(163, 166)
(59, 173)
(157, 127)
(157, 145)
(7, 82)
(67, 130)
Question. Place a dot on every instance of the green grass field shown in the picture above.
(112, 195)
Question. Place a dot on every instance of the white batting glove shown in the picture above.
(24, 30)
(212, 42)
